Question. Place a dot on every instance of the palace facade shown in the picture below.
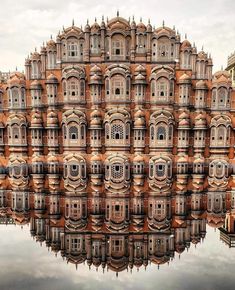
(162, 229)
(121, 117)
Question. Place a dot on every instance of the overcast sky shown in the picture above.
(25, 24)
(26, 265)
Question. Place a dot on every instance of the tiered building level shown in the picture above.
(121, 117)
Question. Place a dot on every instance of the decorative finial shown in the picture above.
(140, 19)
(16, 68)
(202, 47)
(95, 19)
(163, 23)
(194, 44)
(51, 36)
(63, 28)
(117, 13)
(102, 17)
(73, 23)
(133, 18)
(87, 21)
(222, 68)
(107, 19)
(149, 21)
(174, 27)
(185, 36)
(35, 49)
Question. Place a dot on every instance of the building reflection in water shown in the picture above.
(119, 233)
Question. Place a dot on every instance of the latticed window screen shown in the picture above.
(117, 170)
(72, 49)
(118, 47)
(160, 170)
(161, 133)
(221, 134)
(74, 170)
(118, 86)
(162, 87)
(222, 94)
(219, 169)
(73, 88)
(117, 131)
(73, 133)
(17, 170)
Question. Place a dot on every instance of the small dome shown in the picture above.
(185, 78)
(96, 158)
(140, 69)
(184, 115)
(52, 119)
(95, 122)
(35, 55)
(140, 77)
(96, 114)
(36, 119)
(95, 26)
(184, 120)
(38, 158)
(96, 118)
(95, 79)
(138, 158)
(139, 122)
(52, 79)
(16, 78)
(52, 159)
(198, 159)
(202, 55)
(139, 114)
(96, 69)
(140, 26)
(221, 77)
(201, 85)
(200, 120)
(182, 159)
(186, 44)
(35, 84)
(51, 44)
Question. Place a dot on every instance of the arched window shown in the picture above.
(72, 48)
(73, 88)
(51, 60)
(140, 47)
(35, 70)
(221, 134)
(118, 46)
(222, 97)
(186, 60)
(117, 130)
(161, 133)
(73, 133)
(160, 170)
(95, 43)
(162, 88)
(117, 88)
(117, 171)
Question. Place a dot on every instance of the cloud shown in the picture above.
(25, 24)
(26, 265)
